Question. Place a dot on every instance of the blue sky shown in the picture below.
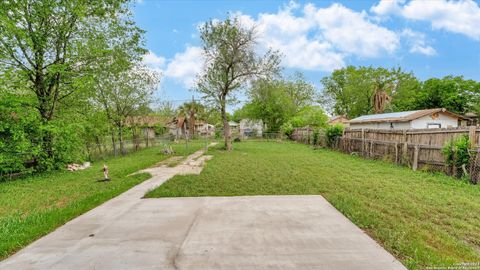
(429, 38)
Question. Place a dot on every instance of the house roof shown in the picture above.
(402, 116)
(338, 117)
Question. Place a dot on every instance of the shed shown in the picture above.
(420, 119)
(339, 119)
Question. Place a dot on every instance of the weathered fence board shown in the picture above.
(418, 149)
(436, 137)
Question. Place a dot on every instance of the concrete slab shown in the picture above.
(253, 232)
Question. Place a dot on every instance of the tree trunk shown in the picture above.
(99, 146)
(147, 131)
(192, 123)
(136, 138)
(227, 134)
(114, 143)
(120, 140)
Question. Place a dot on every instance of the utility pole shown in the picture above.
(192, 116)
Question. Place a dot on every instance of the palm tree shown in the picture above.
(190, 111)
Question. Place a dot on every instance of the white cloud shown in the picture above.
(462, 17)
(289, 35)
(351, 32)
(154, 61)
(417, 42)
(186, 65)
(387, 7)
(320, 38)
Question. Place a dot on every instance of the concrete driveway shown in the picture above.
(258, 232)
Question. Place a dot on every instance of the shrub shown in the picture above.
(332, 133)
(68, 146)
(316, 136)
(456, 154)
(287, 129)
(18, 135)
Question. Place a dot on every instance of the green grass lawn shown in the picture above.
(34, 206)
(421, 218)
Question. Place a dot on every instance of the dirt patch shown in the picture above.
(169, 162)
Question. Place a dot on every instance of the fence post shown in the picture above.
(472, 136)
(396, 153)
(371, 149)
(363, 142)
(405, 146)
(415, 158)
(473, 168)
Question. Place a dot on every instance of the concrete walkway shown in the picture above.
(253, 232)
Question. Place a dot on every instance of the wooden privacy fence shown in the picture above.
(417, 149)
(434, 137)
(416, 156)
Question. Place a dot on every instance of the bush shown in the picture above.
(160, 129)
(333, 132)
(287, 129)
(68, 147)
(316, 136)
(18, 135)
(456, 154)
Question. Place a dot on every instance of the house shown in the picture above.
(179, 127)
(234, 127)
(203, 128)
(421, 119)
(251, 128)
(473, 118)
(147, 123)
(339, 119)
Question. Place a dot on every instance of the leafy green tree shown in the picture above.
(166, 109)
(276, 101)
(354, 91)
(453, 93)
(19, 129)
(122, 93)
(313, 116)
(231, 62)
(270, 103)
(53, 46)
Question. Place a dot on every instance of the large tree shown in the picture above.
(53, 46)
(456, 94)
(121, 93)
(354, 91)
(231, 62)
(276, 101)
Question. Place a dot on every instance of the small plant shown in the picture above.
(316, 136)
(332, 133)
(287, 129)
(457, 156)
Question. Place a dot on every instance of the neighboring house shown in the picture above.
(203, 128)
(251, 128)
(473, 118)
(339, 119)
(234, 127)
(431, 118)
(147, 123)
(179, 127)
